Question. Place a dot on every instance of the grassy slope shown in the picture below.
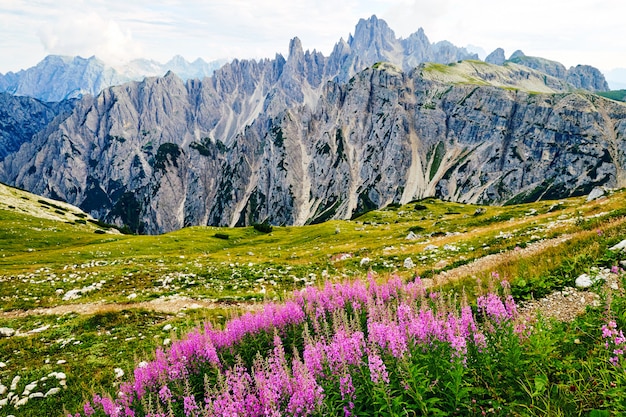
(42, 259)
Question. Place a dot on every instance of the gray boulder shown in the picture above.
(596, 193)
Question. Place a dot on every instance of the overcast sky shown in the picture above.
(570, 31)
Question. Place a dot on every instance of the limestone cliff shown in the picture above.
(270, 140)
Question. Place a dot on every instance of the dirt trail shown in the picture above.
(491, 261)
(170, 306)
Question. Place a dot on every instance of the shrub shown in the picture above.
(264, 227)
(223, 236)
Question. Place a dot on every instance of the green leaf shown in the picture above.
(541, 382)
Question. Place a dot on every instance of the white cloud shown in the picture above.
(87, 34)
(572, 31)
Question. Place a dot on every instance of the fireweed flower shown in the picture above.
(88, 409)
(346, 388)
(165, 394)
(110, 408)
(378, 370)
(314, 357)
(306, 394)
(189, 405)
(398, 318)
(615, 341)
(493, 307)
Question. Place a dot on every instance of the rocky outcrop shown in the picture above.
(581, 76)
(250, 146)
(496, 57)
(552, 68)
(587, 77)
(23, 117)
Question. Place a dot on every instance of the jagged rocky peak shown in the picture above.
(228, 150)
(309, 138)
(496, 57)
(372, 33)
(295, 48)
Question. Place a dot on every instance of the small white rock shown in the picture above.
(408, 263)
(14, 383)
(620, 246)
(166, 342)
(3, 389)
(132, 296)
(3, 365)
(52, 391)
(6, 332)
(411, 236)
(119, 372)
(61, 375)
(167, 327)
(584, 281)
(364, 261)
(36, 395)
(21, 402)
(61, 361)
(40, 329)
(4, 402)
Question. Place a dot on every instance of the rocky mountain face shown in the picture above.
(23, 117)
(308, 138)
(581, 76)
(58, 78)
(162, 154)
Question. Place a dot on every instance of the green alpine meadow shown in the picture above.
(428, 308)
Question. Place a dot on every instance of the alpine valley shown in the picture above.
(308, 138)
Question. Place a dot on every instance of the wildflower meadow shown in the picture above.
(390, 349)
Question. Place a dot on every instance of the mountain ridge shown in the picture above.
(58, 77)
(308, 138)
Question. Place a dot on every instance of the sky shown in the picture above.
(116, 31)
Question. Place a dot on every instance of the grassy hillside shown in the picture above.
(85, 300)
(618, 95)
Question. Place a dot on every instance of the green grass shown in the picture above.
(42, 260)
(618, 95)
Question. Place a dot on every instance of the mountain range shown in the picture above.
(307, 138)
(58, 78)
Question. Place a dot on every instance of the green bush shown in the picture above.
(264, 227)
